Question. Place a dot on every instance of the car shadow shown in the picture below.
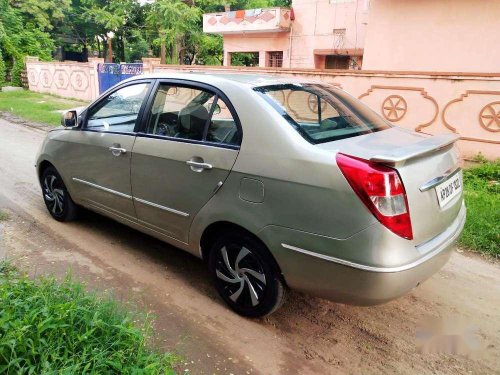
(187, 267)
(184, 265)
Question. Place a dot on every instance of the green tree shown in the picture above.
(44, 14)
(174, 20)
(172, 28)
(76, 32)
(207, 49)
(20, 35)
(111, 16)
(137, 47)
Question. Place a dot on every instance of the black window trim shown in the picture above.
(104, 95)
(141, 131)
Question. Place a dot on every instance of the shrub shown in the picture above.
(482, 198)
(49, 327)
(17, 68)
(2, 69)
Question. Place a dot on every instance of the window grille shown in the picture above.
(275, 59)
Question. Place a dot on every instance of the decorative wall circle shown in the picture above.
(489, 117)
(312, 102)
(79, 80)
(61, 79)
(279, 96)
(33, 77)
(45, 78)
(394, 108)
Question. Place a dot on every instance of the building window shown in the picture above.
(275, 59)
(337, 62)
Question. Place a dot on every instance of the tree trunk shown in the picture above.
(121, 48)
(110, 51)
(178, 53)
(163, 48)
(98, 47)
(175, 54)
(163, 53)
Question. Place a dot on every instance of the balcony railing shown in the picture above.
(246, 21)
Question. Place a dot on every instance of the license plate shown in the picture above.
(449, 189)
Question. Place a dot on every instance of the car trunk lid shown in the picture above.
(424, 163)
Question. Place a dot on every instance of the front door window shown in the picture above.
(119, 111)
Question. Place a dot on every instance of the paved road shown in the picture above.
(307, 336)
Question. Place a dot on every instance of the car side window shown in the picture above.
(180, 112)
(119, 110)
(223, 128)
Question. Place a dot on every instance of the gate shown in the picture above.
(110, 74)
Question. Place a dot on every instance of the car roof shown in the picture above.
(251, 80)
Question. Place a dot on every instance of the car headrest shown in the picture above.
(192, 120)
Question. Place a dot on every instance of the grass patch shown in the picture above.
(3, 215)
(36, 107)
(482, 198)
(49, 327)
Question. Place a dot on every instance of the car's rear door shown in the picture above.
(183, 155)
(98, 155)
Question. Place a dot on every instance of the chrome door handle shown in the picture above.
(198, 166)
(117, 151)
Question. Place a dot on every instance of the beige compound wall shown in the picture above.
(67, 79)
(433, 35)
(467, 104)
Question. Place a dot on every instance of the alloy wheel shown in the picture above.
(241, 275)
(53, 194)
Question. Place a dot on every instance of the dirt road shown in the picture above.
(307, 336)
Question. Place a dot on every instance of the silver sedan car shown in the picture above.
(275, 183)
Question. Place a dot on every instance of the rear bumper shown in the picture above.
(340, 279)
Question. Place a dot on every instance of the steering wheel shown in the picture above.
(162, 129)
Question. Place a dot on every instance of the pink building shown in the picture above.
(434, 36)
(322, 34)
(388, 35)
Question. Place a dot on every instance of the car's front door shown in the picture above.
(182, 156)
(98, 155)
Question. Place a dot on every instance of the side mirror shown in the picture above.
(69, 119)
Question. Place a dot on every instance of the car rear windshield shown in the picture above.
(322, 113)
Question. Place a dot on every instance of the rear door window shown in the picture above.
(222, 128)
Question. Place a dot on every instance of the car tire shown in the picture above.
(56, 197)
(245, 275)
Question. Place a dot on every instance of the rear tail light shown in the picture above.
(381, 190)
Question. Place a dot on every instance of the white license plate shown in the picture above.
(449, 189)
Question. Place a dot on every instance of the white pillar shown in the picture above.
(227, 58)
(262, 58)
